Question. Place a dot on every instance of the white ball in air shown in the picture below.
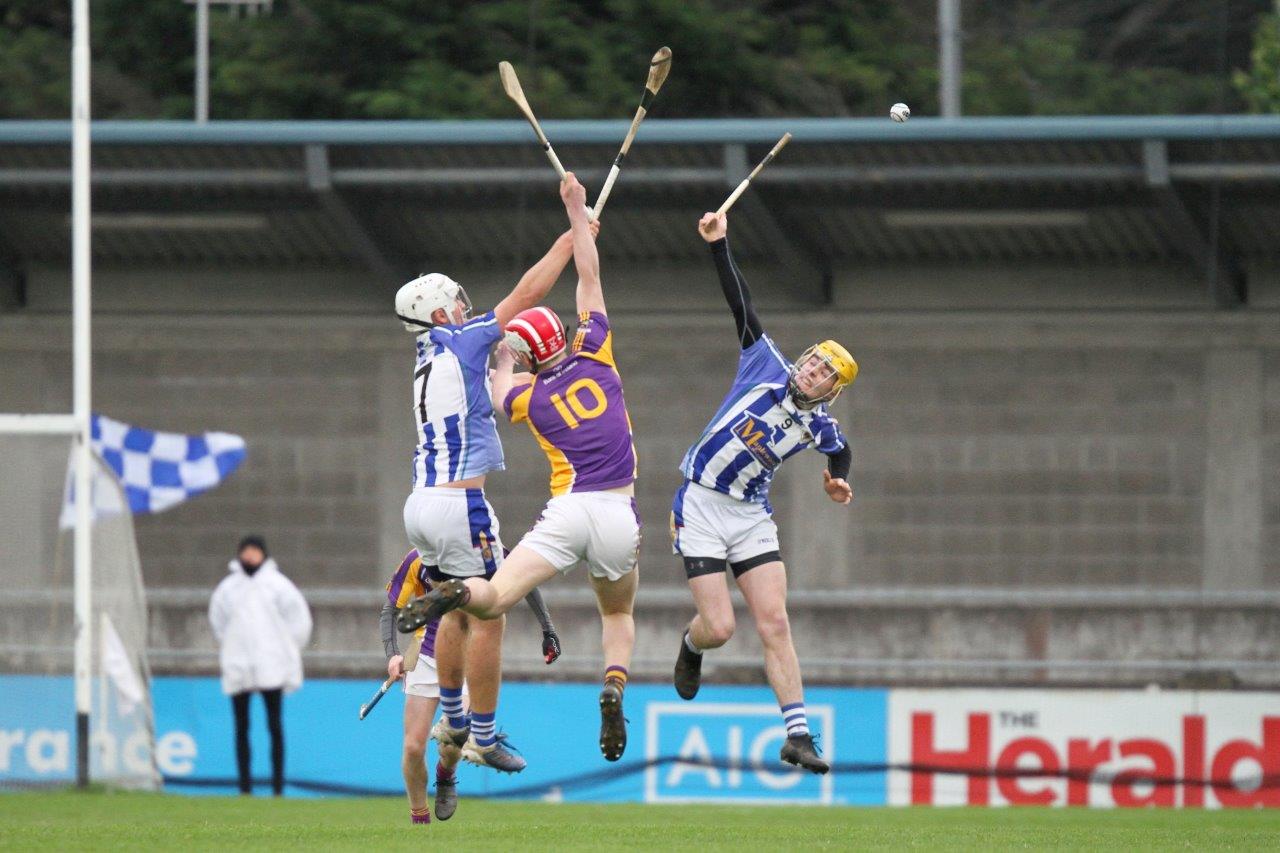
(899, 112)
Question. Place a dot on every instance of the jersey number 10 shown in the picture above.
(571, 404)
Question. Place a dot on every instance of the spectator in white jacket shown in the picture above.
(261, 622)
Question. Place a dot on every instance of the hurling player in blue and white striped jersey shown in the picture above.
(721, 516)
(447, 517)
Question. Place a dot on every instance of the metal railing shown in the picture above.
(657, 130)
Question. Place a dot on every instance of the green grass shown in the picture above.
(114, 821)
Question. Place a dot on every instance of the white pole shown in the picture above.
(202, 61)
(81, 369)
(949, 57)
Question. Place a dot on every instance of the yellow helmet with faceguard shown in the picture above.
(827, 368)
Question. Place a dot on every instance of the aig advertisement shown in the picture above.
(734, 734)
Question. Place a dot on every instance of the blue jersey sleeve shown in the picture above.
(761, 362)
(827, 437)
(471, 341)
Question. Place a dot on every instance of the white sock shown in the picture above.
(797, 723)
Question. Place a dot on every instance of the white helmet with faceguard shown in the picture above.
(820, 374)
(426, 294)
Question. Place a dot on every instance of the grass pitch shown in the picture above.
(115, 821)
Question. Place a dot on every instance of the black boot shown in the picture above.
(688, 674)
(613, 726)
(801, 751)
(442, 598)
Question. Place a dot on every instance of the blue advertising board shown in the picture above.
(729, 737)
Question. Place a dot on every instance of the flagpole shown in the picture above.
(81, 369)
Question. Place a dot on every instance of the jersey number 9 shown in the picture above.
(571, 404)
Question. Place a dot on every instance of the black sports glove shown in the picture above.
(550, 646)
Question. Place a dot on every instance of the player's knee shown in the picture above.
(774, 626)
(719, 630)
(415, 745)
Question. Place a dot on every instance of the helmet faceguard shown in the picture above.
(536, 334)
(426, 294)
(820, 374)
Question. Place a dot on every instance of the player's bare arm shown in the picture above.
(714, 228)
(501, 378)
(590, 293)
(537, 282)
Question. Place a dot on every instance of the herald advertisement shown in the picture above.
(1084, 748)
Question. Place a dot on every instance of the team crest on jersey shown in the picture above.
(755, 434)
(486, 547)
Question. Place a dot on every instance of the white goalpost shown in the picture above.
(77, 423)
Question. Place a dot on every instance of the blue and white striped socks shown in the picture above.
(797, 723)
(482, 728)
(451, 706)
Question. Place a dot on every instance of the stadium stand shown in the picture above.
(1069, 400)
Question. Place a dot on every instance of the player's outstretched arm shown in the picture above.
(550, 639)
(715, 230)
(502, 380)
(835, 480)
(537, 282)
(590, 292)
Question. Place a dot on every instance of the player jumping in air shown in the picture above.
(422, 687)
(447, 517)
(721, 515)
(573, 403)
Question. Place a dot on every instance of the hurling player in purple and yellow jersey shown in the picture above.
(422, 689)
(572, 401)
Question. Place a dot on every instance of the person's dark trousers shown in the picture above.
(240, 707)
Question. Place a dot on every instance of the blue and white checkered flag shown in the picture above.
(158, 470)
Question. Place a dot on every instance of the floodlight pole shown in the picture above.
(251, 7)
(82, 376)
(202, 61)
(949, 57)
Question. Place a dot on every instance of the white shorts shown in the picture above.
(454, 530)
(711, 525)
(422, 680)
(601, 528)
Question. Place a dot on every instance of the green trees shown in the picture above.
(1260, 85)
(339, 59)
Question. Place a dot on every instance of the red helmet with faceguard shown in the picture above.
(537, 334)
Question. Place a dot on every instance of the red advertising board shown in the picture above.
(1084, 748)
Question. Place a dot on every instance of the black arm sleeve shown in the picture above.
(387, 625)
(539, 608)
(838, 463)
(736, 293)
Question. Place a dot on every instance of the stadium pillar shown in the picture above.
(13, 282)
(391, 466)
(1233, 470)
